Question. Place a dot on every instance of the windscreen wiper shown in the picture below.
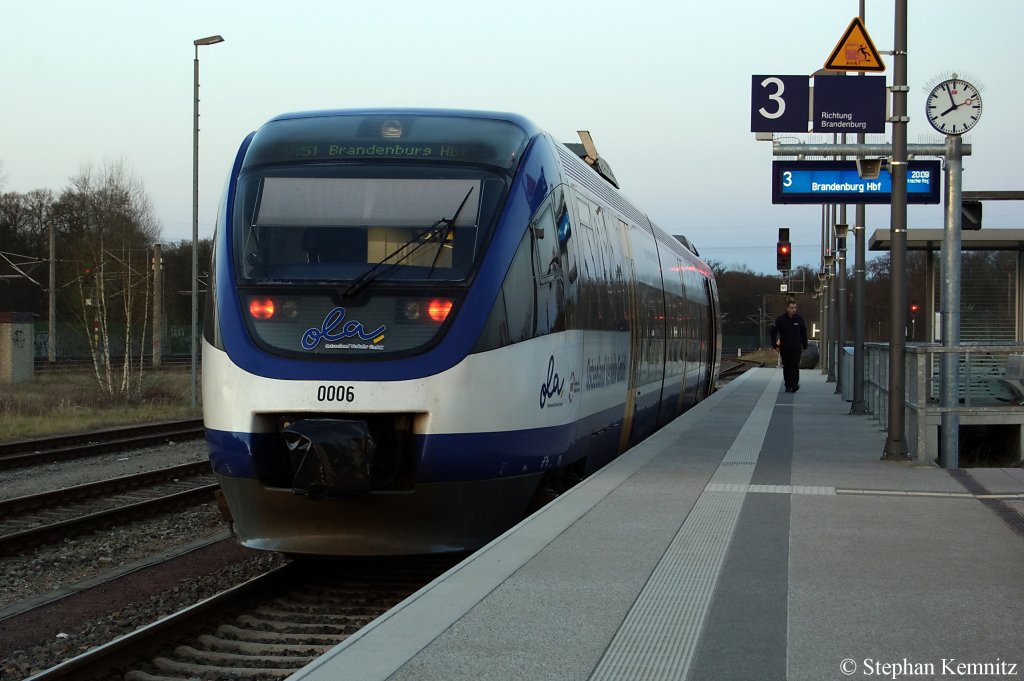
(435, 230)
(449, 227)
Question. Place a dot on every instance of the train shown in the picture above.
(422, 321)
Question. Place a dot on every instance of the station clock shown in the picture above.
(953, 106)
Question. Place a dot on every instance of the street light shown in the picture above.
(209, 40)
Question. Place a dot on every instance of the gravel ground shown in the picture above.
(52, 633)
(55, 566)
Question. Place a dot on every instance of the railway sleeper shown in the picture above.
(314, 617)
(137, 675)
(253, 635)
(248, 647)
(385, 587)
(232, 659)
(204, 672)
(299, 627)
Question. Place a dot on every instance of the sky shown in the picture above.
(664, 87)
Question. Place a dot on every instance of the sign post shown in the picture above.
(895, 448)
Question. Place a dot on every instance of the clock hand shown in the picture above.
(952, 108)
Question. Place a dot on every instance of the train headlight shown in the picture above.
(261, 308)
(413, 311)
(391, 129)
(439, 308)
(425, 311)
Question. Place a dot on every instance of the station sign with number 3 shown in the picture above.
(779, 103)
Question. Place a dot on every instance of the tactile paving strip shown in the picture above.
(659, 635)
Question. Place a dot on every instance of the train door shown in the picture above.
(683, 328)
(658, 333)
(710, 337)
(700, 348)
(707, 333)
(633, 314)
(598, 315)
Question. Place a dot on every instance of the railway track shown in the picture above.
(267, 628)
(732, 368)
(48, 516)
(47, 450)
(43, 365)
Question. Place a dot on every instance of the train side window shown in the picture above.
(546, 238)
(495, 332)
(520, 294)
(551, 270)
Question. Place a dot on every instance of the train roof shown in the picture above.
(584, 156)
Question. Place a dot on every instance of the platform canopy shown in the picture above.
(971, 240)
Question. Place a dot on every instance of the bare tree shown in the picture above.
(114, 225)
(22, 263)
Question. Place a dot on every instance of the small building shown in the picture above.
(16, 347)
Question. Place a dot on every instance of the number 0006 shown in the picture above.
(335, 393)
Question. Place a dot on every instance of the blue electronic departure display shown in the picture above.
(838, 182)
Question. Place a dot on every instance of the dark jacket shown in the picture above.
(791, 331)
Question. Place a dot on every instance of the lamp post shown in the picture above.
(209, 40)
(841, 230)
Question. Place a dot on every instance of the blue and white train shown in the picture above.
(420, 318)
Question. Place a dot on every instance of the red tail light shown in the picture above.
(261, 308)
(439, 308)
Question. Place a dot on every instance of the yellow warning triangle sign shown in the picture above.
(855, 51)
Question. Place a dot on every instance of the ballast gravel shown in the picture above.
(67, 627)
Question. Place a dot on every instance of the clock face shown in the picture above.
(953, 107)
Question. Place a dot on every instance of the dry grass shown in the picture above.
(68, 402)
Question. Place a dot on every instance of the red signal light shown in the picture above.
(439, 308)
(783, 256)
(261, 308)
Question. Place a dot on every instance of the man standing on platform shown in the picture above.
(789, 338)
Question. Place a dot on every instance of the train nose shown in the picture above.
(329, 457)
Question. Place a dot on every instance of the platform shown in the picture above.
(758, 536)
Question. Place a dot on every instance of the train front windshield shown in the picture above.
(359, 213)
(332, 224)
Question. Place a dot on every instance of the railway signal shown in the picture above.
(783, 251)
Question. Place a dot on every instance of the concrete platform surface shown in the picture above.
(759, 536)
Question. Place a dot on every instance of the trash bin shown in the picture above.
(809, 357)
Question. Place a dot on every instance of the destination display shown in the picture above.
(373, 137)
(838, 182)
(361, 149)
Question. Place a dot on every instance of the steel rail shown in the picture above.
(89, 490)
(14, 541)
(47, 450)
(101, 659)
